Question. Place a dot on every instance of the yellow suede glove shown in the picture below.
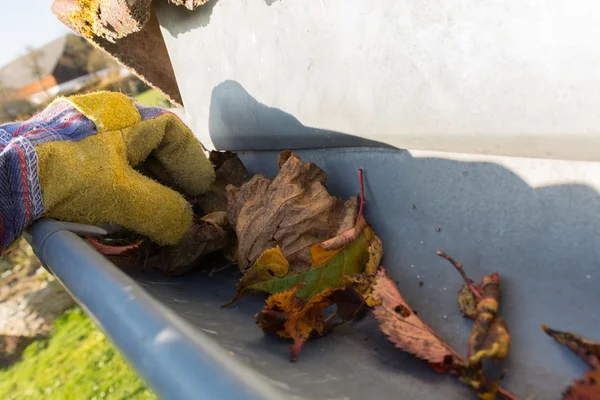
(85, 148)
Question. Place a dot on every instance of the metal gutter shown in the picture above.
(177, 361)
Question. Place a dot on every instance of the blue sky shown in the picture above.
(26, 22)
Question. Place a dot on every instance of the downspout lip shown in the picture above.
(174, 359)
(41, 230)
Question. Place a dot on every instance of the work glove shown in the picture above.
(75, 160)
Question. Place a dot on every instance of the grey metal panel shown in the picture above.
(177, 361)
(535, 221)
(496, 77)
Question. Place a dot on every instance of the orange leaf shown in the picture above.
(278, 310)
(292, 317)
(587, 388)
(308, 320)
(109, 250)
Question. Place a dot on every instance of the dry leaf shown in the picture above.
(290, 316)
(270, 274)
(295, 307)
(489, 336)
(293, 211)
(206, 235)
(229, 169)
(341, 270)
(587, 388)
(110, 250)
(277, 311)
(587, 350)
(407, 331)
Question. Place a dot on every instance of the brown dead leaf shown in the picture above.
(340, 271)
(407, 331)
(587, 350)
(229, 170)
(293, 211)
(587, 388)
(290, 316)
(206, 235)
(309, 319)
(277, 311)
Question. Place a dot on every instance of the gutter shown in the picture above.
(176, 360)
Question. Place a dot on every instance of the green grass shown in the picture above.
(76, 362)
(152, 98)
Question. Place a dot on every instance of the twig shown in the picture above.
(461, 271)
(506, 394)
(362, 195)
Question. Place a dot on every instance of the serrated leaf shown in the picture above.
(407, 331)
(587, 388)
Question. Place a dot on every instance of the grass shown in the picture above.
(152, 98)
(76, 362)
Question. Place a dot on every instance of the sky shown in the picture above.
(26, 23)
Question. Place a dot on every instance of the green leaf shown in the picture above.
(265, 275)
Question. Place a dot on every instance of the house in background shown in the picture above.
(62, 65)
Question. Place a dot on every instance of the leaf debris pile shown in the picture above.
(409, 333)
(317, 260)
(304, 248)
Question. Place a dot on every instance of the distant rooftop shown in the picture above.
(18, 73)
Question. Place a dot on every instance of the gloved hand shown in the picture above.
(74, 162)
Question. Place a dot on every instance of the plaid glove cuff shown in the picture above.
(20, 193)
